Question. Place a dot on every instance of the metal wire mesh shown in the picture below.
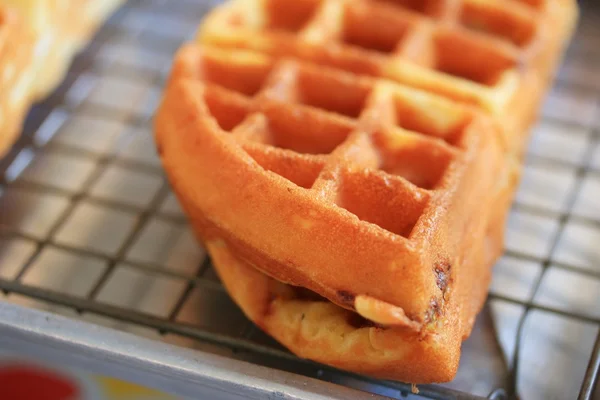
(89, 227)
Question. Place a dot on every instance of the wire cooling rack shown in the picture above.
(90, 230)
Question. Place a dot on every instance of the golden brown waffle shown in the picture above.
(369, 193)
(496, 54)
(351, 205)
(39, 41)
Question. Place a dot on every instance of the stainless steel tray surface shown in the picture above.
(92, 242)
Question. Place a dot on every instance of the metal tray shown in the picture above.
(92, 242)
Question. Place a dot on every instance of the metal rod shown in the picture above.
(562, 224)
(591, 374)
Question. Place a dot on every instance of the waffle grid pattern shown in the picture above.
(281, 114)
(410, 46)
(95, 239)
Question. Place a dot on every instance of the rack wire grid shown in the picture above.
(89, 229)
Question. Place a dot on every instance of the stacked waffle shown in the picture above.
(349, 164)
(38, 39)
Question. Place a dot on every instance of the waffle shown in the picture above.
(369, 193)
(354, 215)
(39, 40)
(496, 54)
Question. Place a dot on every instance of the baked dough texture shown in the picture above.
(38, 40)
(349, 164)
